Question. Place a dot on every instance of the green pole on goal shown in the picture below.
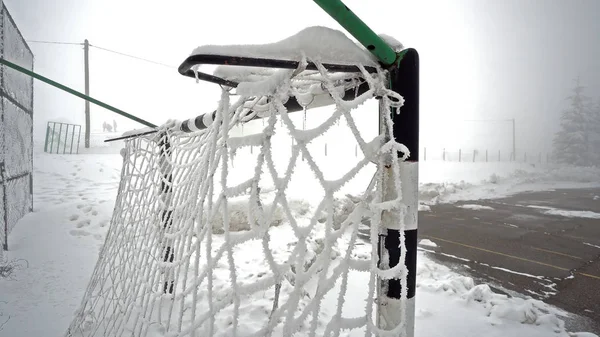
(74, 92)
(357, 28)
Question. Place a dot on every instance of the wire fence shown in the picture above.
(484, 155)
(16, 129)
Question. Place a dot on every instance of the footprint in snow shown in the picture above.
(80, 206)
(94, 212)
(83, 223)
(74, 217)
(79, 232)
(87, 209)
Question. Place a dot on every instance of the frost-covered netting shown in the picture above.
(16, 128)
(203, 244)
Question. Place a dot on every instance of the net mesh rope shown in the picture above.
(176, 263)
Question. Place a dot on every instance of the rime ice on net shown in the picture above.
(227, 281)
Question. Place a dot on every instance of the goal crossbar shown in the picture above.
(186, 67)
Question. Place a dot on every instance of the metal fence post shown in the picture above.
(72, 139)
(59, 135)
(47, 135)
(66, 139)
(52, 139)
(5, 205)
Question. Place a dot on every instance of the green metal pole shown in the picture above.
(74, 92)
(355, 26)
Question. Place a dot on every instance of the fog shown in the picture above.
(483, 62)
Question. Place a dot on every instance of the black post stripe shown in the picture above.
(199, 122)
(405, 81)
(184, 126)
(391, 244)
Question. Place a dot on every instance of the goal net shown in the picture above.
(255, 226)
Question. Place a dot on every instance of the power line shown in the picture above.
(488, 120)
(55, 42)
(134, 57)
(105, 49)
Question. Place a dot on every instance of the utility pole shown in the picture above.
(514, 142)
(86, 64)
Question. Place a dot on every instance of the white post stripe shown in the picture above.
(191, 124)
(207, 119)
(409, 176)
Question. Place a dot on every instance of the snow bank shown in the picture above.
(447, 182)
(428, 243)
(447, 301)
(476, 207)
(567, 213)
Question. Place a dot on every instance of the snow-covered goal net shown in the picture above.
(240, 223)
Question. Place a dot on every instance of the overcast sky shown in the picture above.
(480, 59)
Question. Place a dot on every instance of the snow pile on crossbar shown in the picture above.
(196, 251)
(321, 44)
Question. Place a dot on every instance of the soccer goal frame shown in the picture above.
(403, 78)
(394, 234)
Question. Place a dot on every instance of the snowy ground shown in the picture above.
(448, 182)
(57, 245)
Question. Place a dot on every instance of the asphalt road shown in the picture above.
(522, 249)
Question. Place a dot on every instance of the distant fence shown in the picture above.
(16, 129)
(62, 138)
(485, 155)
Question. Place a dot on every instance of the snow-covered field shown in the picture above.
(55, 249)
